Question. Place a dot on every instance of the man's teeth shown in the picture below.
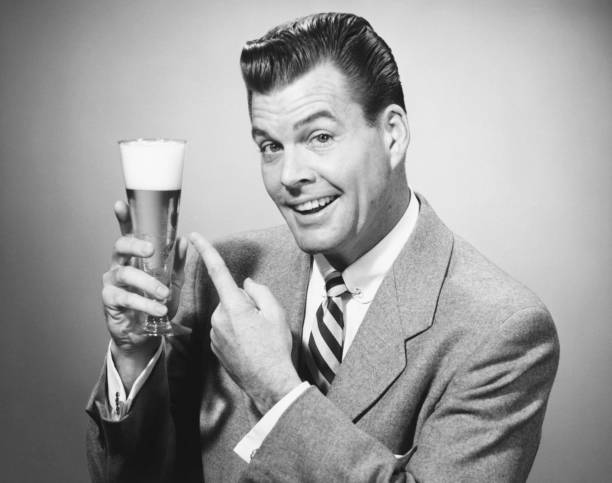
(314, 204)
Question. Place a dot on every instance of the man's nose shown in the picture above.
(296, 170)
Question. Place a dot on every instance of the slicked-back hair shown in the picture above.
(349, 42)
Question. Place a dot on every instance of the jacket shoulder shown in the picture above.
(484, 314)
(477, 287)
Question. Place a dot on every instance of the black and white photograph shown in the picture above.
(323, 241)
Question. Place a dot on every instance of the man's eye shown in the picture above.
(268, 148)
(322, 138)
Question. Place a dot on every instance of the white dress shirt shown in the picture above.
(119, 403)
(362, 279)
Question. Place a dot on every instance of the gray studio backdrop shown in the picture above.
(509, 104)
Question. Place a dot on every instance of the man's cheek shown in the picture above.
(272, 193)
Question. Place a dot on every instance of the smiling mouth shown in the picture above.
(314, 206)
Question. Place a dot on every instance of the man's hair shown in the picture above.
(347, 41)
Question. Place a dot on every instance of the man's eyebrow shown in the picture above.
(302, 122)
(313, 117)
(258, 132)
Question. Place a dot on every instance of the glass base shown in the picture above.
(158, 326)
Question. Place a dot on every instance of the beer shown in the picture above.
(154, 216)
(153, 172)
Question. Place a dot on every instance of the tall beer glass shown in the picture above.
(153, 173)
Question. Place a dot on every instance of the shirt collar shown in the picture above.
(363, 277)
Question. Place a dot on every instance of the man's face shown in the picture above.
(326, 169)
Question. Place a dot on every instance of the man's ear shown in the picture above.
(394, 124)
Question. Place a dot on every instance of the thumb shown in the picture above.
(263, 298)
(122, 213)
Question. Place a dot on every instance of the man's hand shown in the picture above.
(129, 294)
(249, 333)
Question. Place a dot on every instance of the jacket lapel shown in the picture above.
(290, 287)
(295, 303)
(404, 307)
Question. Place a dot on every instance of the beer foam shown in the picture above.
(152, 164)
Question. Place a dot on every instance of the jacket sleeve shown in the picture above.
(158, 439)
(486, 426)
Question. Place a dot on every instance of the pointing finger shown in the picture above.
(230, 294)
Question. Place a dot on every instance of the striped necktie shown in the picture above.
(327, 336)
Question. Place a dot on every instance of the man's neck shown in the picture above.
(345, 258)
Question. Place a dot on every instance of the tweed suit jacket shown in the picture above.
(447, 379)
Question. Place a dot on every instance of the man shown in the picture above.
(365, 343)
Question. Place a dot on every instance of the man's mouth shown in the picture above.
(314, 206)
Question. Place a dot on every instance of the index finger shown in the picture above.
(230, 294)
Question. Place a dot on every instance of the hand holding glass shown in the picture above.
(153, 173)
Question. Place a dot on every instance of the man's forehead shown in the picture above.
(301, 107)
(323, 89)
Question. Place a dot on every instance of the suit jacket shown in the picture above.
(447, 379)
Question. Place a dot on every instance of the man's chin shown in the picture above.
(312, 248)
(325, 243)
(311, 244)
(315, 238)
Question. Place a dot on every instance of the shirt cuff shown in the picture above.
(117, 400)
(248, 445)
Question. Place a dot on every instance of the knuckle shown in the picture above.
(240, 310)
(117, 298)
(120, 299)
(218, 318)
(120, 274)
(214, 320)
(132, 301)
(125, 299)
(119, 245)
(107, 293)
